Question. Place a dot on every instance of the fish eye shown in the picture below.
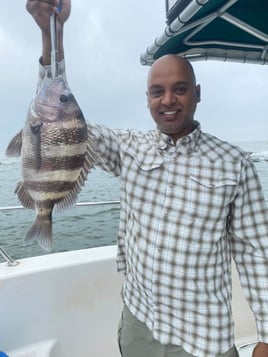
(63, 98)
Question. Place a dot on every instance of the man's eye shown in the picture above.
(156, 92)
(180, 90)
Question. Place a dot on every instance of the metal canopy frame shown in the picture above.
(192, 34)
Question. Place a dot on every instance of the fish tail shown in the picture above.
(41, 231)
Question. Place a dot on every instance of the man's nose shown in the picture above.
(168, 98)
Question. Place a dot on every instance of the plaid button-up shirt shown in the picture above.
(185, 209)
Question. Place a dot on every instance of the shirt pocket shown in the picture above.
(209, 198)
(214, 183)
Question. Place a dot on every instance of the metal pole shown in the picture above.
(8, 259)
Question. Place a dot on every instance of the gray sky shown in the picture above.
(103, 43)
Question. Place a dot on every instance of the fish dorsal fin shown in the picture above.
(24, 197)
(15, 145)
(90, 158)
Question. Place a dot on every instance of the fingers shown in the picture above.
(42, 9)
(33, 6)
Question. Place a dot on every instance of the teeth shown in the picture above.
(169, 113)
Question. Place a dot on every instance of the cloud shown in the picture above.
(7, 47)
(233, 97)
(103, 43)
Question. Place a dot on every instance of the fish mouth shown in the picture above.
(46, 112)
(45, 106)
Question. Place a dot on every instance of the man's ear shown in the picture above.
(198, 93)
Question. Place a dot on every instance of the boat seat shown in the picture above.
(39, 349)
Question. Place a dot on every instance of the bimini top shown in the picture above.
(227, 30)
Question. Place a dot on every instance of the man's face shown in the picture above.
(172, 96)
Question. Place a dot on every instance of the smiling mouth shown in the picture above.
(169, 114)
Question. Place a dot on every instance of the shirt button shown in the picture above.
(186, 140)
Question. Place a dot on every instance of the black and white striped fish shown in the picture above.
(56, 153)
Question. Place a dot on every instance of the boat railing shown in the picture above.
(79, 204)
(11, 262)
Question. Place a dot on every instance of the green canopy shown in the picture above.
(227, 30)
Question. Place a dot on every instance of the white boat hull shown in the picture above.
(70, 298)
(68, 304)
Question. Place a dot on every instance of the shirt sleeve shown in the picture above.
(249, 237)
(108, 148)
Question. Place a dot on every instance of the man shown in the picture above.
(188, 202)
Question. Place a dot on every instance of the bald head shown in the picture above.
(166, 61)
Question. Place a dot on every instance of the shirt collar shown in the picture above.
(189, 142)
(163, 140)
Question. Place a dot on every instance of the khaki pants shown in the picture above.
(136, 340)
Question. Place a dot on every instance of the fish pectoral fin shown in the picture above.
(14, 146)
(41, 231)
(35, 128)
(23, 196)
(36, 139)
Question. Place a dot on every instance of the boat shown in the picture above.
(68, 304)
(260, 156)
(222, 30)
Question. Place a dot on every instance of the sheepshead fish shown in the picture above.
(56, 154)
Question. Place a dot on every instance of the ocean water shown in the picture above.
(81, 226)
(76, 228)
